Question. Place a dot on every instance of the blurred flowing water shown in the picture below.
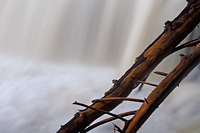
(56, 52)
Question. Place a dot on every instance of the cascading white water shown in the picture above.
(55, 52)
(86, 31)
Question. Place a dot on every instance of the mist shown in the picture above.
(53, 53)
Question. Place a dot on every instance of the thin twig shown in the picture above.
(117, 128)
(187, 44)
(100, 110)
(161, 73)
(118, 98)
(108, 120)
(143, 82)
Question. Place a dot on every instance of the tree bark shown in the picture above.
(157, 96)
(175, 31)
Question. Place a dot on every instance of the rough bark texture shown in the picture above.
(157, 96)
(175, 31)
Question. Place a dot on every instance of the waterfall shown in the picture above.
(55, 52)
(93, 32)
(85, 31)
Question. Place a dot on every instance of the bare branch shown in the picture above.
(143, 82)
(161, 73)
(158, 95)
(117, 128)
(118, 98)
(175, 31)
(108, 120)
(100, 110)
(187, 44)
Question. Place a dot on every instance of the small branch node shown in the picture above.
(62, 125)
(182, 55)
(114, 81)
(146, 100)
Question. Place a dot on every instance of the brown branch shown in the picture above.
(175, 31)
(108, 120)
(187, 44)
(117, 128)
(143, 82)
(157, 96)
(118, 98)
(100, 110)
(161, 73)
